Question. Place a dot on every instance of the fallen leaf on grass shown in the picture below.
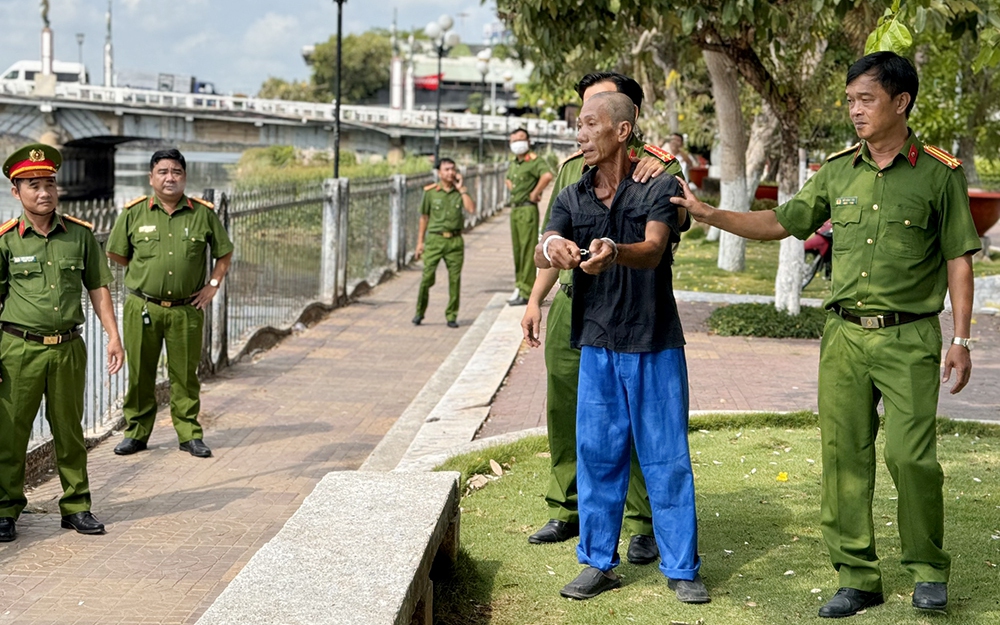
(497, 469)
(543, 454)
(751, 604)
(478, 481)
(816, 591)
(789, 572)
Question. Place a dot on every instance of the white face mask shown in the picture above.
(519, 147)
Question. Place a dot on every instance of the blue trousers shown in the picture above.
(642, 397)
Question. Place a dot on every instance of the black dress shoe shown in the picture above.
(930, 596)
(83, 522)
(850, 601)
(416, 320)
(197, 448)
(590, 583)
(518, 301)
(452, 324)
(129, 446)
(642, 550)
(7, 530)
(555, 531)
(689, 590)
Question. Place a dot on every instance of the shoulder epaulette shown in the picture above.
(530, 156)
(77, 220)
(942, 156)
(659, 153)
(844, 152)
(203, 202)
(141, 198)
(8, 226)
(430, 186)
(572, 156)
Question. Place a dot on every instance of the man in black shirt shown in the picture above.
(614, 232)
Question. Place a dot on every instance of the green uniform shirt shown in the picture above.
(444, 209)
(572, 170)
(524, 175)
(894, 229)
(166, 253)
(42, 278)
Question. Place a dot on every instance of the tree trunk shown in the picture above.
(763, 135)
(791, 258)
(733, 137)
(967, 152)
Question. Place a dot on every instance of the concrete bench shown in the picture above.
(358, 552)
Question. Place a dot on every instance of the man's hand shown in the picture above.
(531, 323)
(648, 167)
(534, 197)
(959, 359)
(564, 254)
(204, 296)
(116, 355)
(419, 251)
(698, 209)
(458, 181)
(602, 256)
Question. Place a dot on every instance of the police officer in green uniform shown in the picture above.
(562, 361)
(440, 237)
(903, 235)
(46, 260)
(527, 177)
(163, 240)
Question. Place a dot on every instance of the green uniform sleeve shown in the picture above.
(4, 271)
(958, 231)
(96, 273)
(541, 167)
(674, 169)
(425, 204)
(221, 243)
(805, 213)
(563, 179)
(118, 242)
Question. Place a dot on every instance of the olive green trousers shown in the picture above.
(452, 252)
(524, 238)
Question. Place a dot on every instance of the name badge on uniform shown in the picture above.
(23, 259)
(145, 229)
(846, 201)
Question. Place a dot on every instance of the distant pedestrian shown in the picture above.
(164, 239)
(440, 237)
(527, 178)
(675, 145)
(47, 259)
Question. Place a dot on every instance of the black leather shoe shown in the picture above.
(416, 320)
(689, 591)
(850, 601)
(930, 596)
(590, 583)
(642, 550)
(518, 301)
(83, 522)
(7, 530)
(555, 531)
(452, 324)
(129, 446)
(197, 448)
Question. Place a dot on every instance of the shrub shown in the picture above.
(696, 232)
(766, 321)
(763, 205)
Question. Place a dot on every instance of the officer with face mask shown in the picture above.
(527, 178)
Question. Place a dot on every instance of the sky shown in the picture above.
(236, 44)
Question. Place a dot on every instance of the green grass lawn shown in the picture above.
(764, 560)
(695, 269)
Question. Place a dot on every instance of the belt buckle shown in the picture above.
(446, 235)
(873, 322)
(51, 340)
(166, 304)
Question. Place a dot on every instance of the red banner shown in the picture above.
(429, 83)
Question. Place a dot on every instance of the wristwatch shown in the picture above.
(213, 282)
(966, 343)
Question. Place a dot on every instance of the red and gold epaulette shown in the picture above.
(203, 202)
(942, 156)
(576, 154)
(530, 156)
(8, 226)
(659, 153)
(141, 198)
(844, 152)
(77, 220)
(430, 186)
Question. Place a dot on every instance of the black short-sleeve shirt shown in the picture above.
(622, 309)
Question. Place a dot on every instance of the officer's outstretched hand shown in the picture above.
(959, 359)
(531, 323)
(647, 168)
(116, 356)
(698, 209)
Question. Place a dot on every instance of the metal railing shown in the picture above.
(296, 247)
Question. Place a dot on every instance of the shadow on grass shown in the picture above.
(466, 597)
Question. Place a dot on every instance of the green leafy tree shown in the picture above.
(365, 67)
(280, 89)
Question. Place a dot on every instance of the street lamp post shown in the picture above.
(444, 40)
(336, 123)
(508, 87)
(79, 43)
(483, 65)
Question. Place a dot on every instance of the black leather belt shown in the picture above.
(881, 320)
(44, 339)
(567, 289)
(448, 234)
(166, 303)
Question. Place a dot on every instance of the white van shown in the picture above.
(25, 71)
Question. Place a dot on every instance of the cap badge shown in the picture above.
(36, 156)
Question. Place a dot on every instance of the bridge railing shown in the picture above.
(299, 249)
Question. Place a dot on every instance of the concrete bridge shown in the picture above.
(88, 121)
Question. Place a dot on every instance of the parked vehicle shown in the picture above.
(819, 253)
(162, 81)
(25, 72)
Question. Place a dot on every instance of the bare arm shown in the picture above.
(421, 232)
(205, 295)
(101, 301)
(531, 323)
(536, 193)
(961, 287)
(643, 255)
(467, 202)
(121, 260)
(758, 225)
